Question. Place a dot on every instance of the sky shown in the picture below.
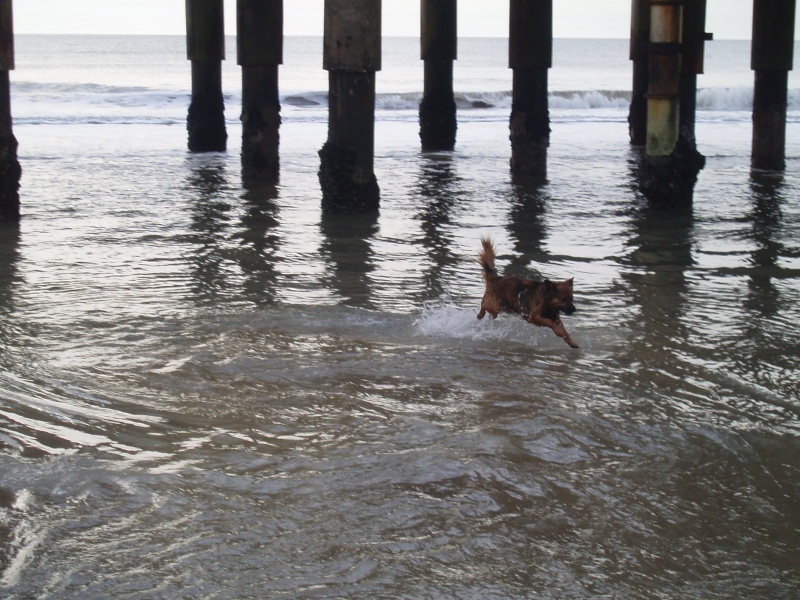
(726, 19)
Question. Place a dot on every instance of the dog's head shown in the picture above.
(558, 296)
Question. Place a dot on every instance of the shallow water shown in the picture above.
(210, 390)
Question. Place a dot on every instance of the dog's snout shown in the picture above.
(569, 309)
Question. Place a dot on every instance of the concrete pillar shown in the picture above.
(530, 56)
(10, 171)
(259, 52)
(771, 59)
(351, 55)
(205, 40)
(640, 40)
(692, 58)
(439, 41)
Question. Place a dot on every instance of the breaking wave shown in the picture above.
(54, 103)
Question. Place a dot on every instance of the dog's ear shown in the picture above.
(548, 289)
(570, 280)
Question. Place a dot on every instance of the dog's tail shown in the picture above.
(486, 260)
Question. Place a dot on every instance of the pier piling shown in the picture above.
(10, 171)
(205, 40)
(669, 167)
(663, 96)
(530, 54)
(692, 64)
(351, 55)
(259, 53)
(771, 60)
(439, 43)
(640, 39)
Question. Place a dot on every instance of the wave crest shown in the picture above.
(94, 103)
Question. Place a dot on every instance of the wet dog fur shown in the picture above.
(538, 302)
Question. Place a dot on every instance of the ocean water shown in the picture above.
(210, 390)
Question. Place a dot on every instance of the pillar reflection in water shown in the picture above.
(767, 221)
(441, 193)
(347, 249)
(527, 227)
(210, 220)
(259, 242)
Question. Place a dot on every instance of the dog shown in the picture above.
(538, 302)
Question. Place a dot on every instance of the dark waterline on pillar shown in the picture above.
(261, 121)
(206, 120)
(770, 98)
(346, 170)
(530, 123)
(437, 110)
(10, 170)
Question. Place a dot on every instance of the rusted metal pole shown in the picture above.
(10, 171)
(439, 42)
(351, 55)
(640, 39)
(771, 59)
(205, 40)
(259, 52)
(669, 167)
(663, 96)
(530, 56)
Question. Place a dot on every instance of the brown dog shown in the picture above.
(538, 302)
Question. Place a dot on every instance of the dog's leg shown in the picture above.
(567, 338)
(484, 310)
(557, 326)
(488, 305)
